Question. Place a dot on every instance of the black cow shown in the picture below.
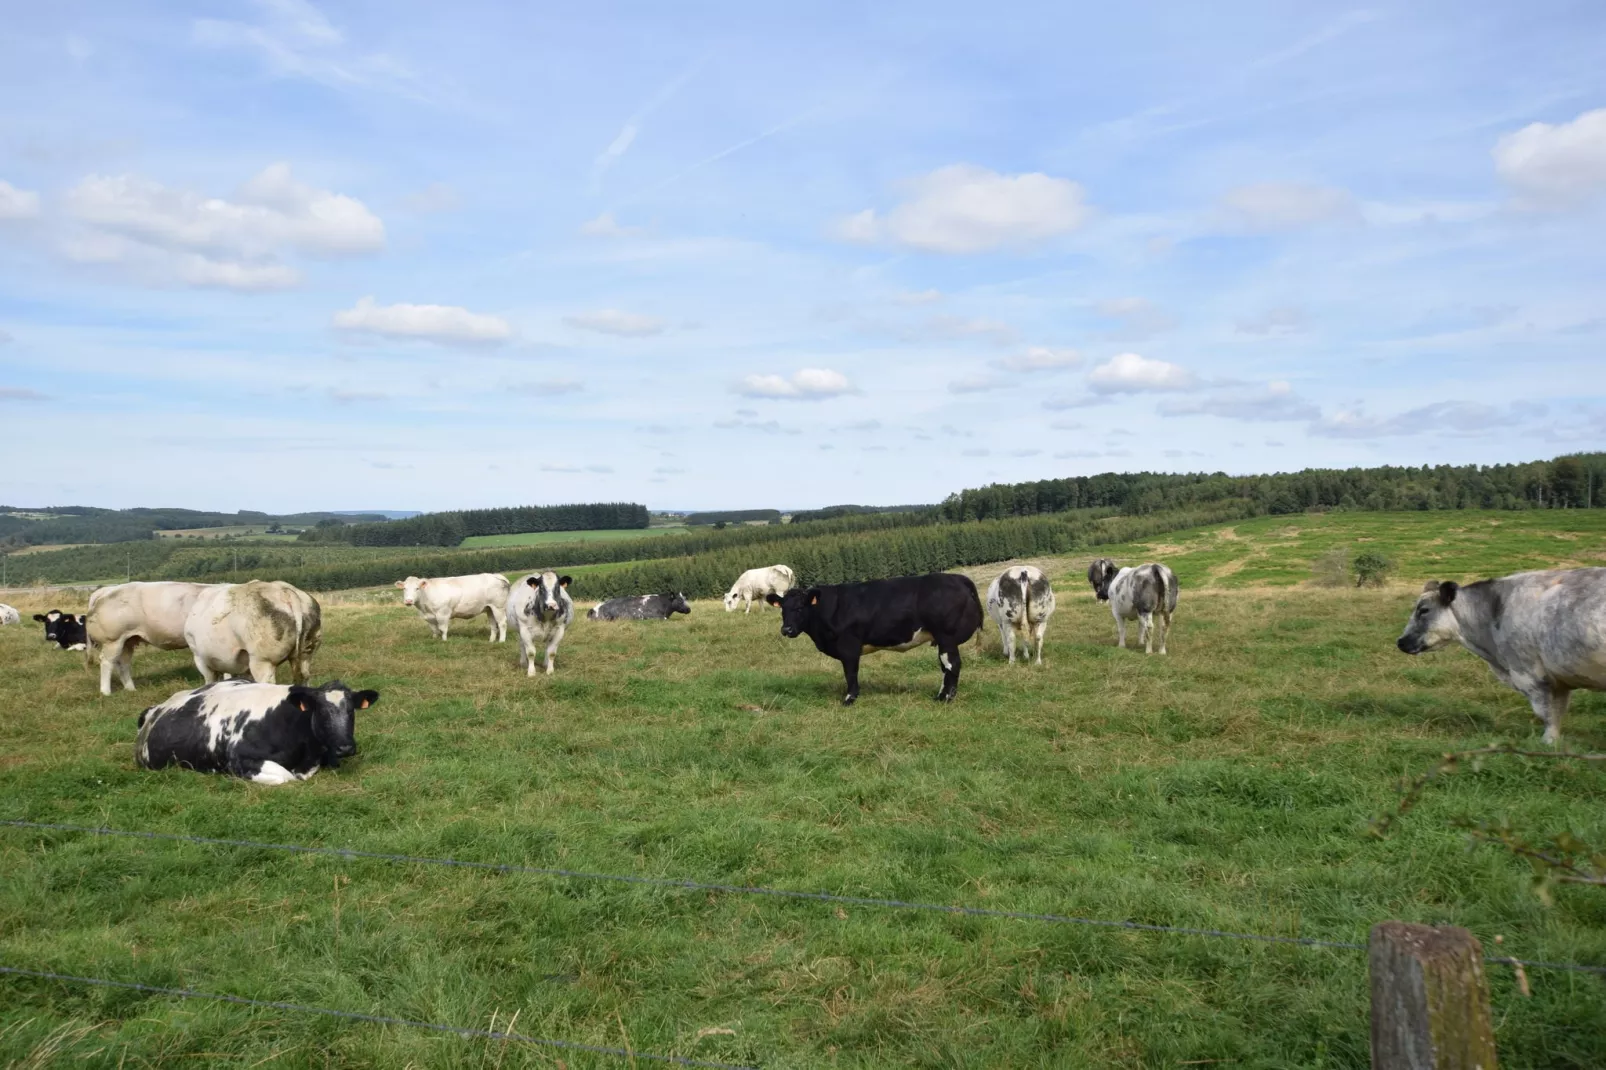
(269, 733)
(848, 620)
(63, 629)
(641, 607)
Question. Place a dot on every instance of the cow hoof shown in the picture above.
(848, 700)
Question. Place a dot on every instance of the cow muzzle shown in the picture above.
(1409, 644)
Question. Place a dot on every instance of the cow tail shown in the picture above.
(301, 634)
(89, 645)
(1159, 578)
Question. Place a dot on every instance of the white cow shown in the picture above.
(1138, 593)
(125, 615)
(239, 628)
(541, 609)
(1020, 601)
(446, 598)
(756, 584)
(8, 615)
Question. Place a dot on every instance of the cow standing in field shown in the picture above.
(1020, 601)
(239, 628)
(1136, 593)
(848, 620)
(8, 615)
(268, 733)
(640, 607)
(1543, 633)
(756, 585)
(63, 629)
(446, 598)
(541, 609)
(123, 616)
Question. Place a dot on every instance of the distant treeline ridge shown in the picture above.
(450, 529)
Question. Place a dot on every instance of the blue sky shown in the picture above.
(281, 255)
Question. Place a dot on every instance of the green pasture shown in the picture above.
(537, 538)
(1228, 785)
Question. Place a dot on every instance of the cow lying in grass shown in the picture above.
(640, 607)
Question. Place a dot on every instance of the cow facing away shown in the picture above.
(1020, 601)
(8, 615)
(640, 607)
(252, 628)
(756, 585)
(848, 620)
(541, 610)
(1137, 593)
(128, 614)
(269, 733)
(63, 629)
(1543, 633)
(443, 599)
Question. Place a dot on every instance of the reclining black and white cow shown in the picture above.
(1138, 593)
(848, 620)
(640, 607)
(64, 629)
(1543, 633)
(268, 733)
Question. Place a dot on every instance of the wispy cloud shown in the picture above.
(616, 322)
(442, 324)
(294, 39)
(963, 208)
(21, 393)
(809, 384)
(616, 149)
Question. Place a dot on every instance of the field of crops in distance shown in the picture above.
(535, 538)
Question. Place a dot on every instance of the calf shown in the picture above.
(447, 598)
(127, 614)
(1137, 593)
(63, 629)
(541, 609)
(1020, 601)
(8, 615)
(640, 607)
(268, 733)
(1543, 633)
(757, 584)
(848, 620)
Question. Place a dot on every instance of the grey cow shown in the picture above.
(1020, 601)
(1543, 633)
(1137, 593)
(640, 607)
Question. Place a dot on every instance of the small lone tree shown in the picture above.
(1371, 568)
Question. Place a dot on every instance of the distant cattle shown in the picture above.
(269, 733)
(446, 598)
(541, 610)
(123, 616)
(756, 585)
(848, 620)
(1020, 601)
(1543, 633)
(253, 628)
(8, 615)
(640, 607)
(1136, 593)
(63, 629)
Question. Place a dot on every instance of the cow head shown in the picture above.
(50, 620)
(677, 603)
(410, 588)
(797, 609)
(1100, 573)
(334, 709)
(1432, 624)
(732, 599)
(547, 585)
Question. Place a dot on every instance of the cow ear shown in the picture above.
(1430, 586)
(564, 581)
(814, 597)
(301, 696)
(773, 599)
(1447, 591)
(425, 583)
(534, 581)
(364, 699)
(399, 583)
(40, 617)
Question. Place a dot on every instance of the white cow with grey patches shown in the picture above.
(757, 584)
(239, 628)
(442, 599)
(541, 610)
(1138, 594)
(1543, 633)
(8, 615)
(125, 615)
(1020, 601)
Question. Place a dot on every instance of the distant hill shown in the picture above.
(77, 524)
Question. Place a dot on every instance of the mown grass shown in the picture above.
(1228, 785)
(538, 538)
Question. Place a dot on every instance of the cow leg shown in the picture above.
(444, 625)
(207, 675)
(1006, 636)
(264, 671)
(1549, 704)
(125, 665)
(108, 660)
(948, 658)
(552, 649)
(271, 773)
(1120, 631)
(1146, 631)
(1164, 625)
(1038, 631)
(850, 673)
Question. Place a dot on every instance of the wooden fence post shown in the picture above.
(1430, 999)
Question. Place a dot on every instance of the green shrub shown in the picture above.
(1371, 568)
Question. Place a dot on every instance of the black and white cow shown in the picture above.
(848, 620)
(1137, 593)
(64, 629)
(541, 610)
(1020, 601)
(640, 607)
(268, 733)
(1543, 633)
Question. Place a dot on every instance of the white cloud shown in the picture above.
(918, 297)
(1139, 316)
(963, 208)
(958, 328)
(1276, 402)
(353, 397)
(975, 384)
(17, 203)
(606, 226)
(1066, 425)
(768, 427)
(1284, 319)
(613, 321)
(1267, 206)
(1555, 165)
(975, 453)
(809, 384)
(1129, 373)
(1041, 359)
(546, 388)
(435, 197)
(443, 324)
(1084, 401)
(1455, 418)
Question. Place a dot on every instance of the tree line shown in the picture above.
(451, 528)
(51, 525)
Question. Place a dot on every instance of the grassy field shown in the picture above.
(1228, 785)
(536, 538)
(233, 531)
